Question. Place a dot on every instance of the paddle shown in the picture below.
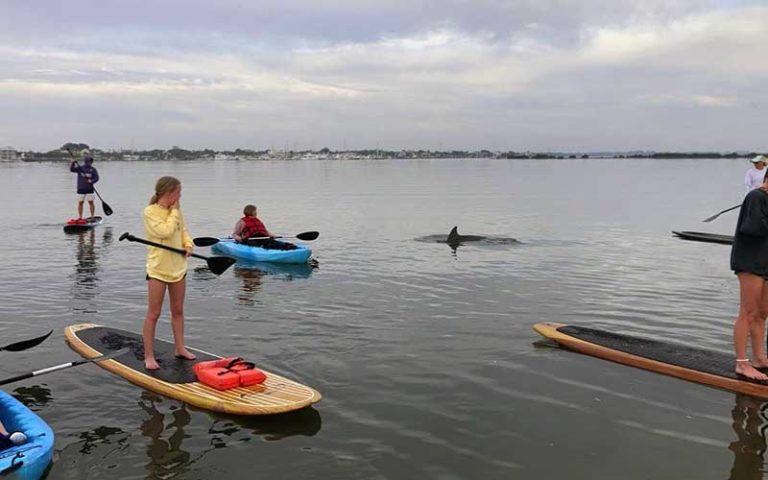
(218, 265)
(64, 365)
(208, 241)
(104, 206)
(709, 219)
(25, 344)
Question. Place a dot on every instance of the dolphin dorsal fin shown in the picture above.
(453, 235)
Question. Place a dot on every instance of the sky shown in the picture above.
(503, 75)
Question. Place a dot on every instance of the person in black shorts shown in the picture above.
(749, 261)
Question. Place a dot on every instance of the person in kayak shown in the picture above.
(166, 270)
(87, 175)
(8, 440)
(250, 226)
(749, 261)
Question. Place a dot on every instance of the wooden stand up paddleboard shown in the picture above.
(175, 378)
(705, 237)
(708, 367)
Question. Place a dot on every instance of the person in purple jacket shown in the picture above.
(87, 175)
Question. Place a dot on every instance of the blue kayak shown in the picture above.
(30, 460)
(230, 248)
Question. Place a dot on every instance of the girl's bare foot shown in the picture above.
(745, 369)
(151, 364)
(184, 353)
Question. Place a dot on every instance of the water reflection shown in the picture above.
(749, 423)
(306, 421)
(166, 457)
(86, 277)
(165, 425)
(94, 439)
(253, 273)
(286, 271)
(33, 396)
(251, 278)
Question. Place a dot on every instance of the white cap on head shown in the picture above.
(760, 158)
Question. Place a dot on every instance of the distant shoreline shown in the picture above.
(327, 154)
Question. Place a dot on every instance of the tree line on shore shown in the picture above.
(177, 153)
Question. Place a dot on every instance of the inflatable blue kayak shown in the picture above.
(30, 460)
(230, 248)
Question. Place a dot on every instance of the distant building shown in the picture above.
(8, 154)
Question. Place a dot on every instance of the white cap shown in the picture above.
(760, 158)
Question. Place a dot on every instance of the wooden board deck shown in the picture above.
(176, 380)
(707, 367)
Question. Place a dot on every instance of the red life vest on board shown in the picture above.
(230, 372)
(253, 228)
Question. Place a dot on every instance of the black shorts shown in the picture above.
(148, 277)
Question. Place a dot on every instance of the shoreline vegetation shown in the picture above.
(176, 153)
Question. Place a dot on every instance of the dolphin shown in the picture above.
(454, 238)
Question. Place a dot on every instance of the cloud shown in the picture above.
(487, 74)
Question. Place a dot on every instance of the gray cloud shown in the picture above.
(560, 75)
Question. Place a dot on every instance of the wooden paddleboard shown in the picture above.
(91, 222)
(705, 237)
(175, 379)
(708, 367)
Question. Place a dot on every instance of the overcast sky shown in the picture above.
(559, 75)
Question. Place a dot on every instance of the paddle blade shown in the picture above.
(219, 265)
(709, 219)
(25, 344)
(205, 241)
(308, 235)
(107, 209)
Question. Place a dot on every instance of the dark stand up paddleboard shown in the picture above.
(83, 227)
(176, 379)
(705, 237)
(708, 367)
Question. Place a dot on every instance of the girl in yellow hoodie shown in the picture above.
(163, 223)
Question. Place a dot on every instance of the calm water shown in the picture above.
(425, 357)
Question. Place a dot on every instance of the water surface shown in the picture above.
(424, 355)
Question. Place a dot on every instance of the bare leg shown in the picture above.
(92, 207)
(757, 332)
(749, 320)
(79, 209)
(155, 295)
(177, 291)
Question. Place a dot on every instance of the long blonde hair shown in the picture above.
(164, 185)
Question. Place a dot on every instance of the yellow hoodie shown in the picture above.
(166, 226)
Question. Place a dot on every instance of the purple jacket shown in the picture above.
(86, 177)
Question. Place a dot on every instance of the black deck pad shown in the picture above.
(705, 237)
(701, 360)
(172, 369)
